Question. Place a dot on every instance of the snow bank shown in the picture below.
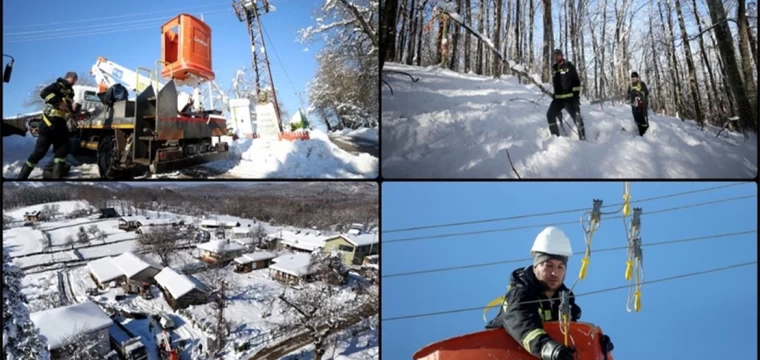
(451, 125)
(314, 158)
(16, 150)
(369, 134)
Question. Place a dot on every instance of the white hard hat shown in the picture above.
(552, 241)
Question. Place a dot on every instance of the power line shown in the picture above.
(184, 8)
(452, 268)
(576, 295)
(97, 31)
(284, 70)
(561, 211)
(556, 223)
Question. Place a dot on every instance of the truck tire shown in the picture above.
(107, 156)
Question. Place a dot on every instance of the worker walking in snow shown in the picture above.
(638, 97)
(567, 89)
(540, 285)
(53, 130)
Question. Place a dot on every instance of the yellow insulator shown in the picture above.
(565, 326)
(584, 264)
(626, 205)
(628, 269)
(637, 301)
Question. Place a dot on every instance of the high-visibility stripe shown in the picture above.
(31, 164)
(577, 88)
(58, 113)
(45, 119)
(59, 160)
(532, 335)
(563, 96)
(47, 98)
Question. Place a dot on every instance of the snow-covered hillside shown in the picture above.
(451, 125)
(259, 158)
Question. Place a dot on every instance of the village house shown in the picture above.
(64, 325)
(354, 246)
(107, 213)
(297, 241)
(257, 260)
(209, 224)
(33, 216)
(291, 268)
(181, 291)
(127, 271)
(219, 251)
(133, 223)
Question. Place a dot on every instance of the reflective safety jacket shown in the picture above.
(638, 89)
(53, 94)
(524, 322)
(565, 80)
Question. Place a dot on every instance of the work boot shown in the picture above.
(25, 171)
(58, 170)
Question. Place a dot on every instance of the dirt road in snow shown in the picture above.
(356, 145)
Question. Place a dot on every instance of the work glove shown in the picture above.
(553, 350)
(606, 343)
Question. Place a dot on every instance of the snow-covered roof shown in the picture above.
(130, 264)
(145, 221)
(220, 246)
(178, 284)
(256, 256)
(60, 324)
(209, 222)
(293, 264)
(33, 213)
(358, 240)
(104, 269)
(241, 230)
(309, 241)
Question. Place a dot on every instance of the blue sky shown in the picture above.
(58, 49)
(711, 316)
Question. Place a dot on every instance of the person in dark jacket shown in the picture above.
(567, 88)
(58, 98)
(540, 285)
(638, 97)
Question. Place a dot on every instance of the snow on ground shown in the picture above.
(259, 158)
(22, 240)
(451, 125)
(368, 134)
(45, 258)
(110, 227)
(314, 158)
(64, 207)
(346, 347)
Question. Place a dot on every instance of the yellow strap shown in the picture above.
(494, 303)
(50, 96)
(566, 326)
(563, 96)
(45, 119)
(532, 335)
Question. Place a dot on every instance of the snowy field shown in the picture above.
(259, 158)
(451, 125)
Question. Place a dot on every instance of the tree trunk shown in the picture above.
(752, 43)
(467, 39)
(671, 67)
(747, 70)
(726, 46)
(412, 33)
(496, 38)
(602, 75)
(488, 32)
(595, 47)
(690, 64)
(439, 41)
(717, 105)
(582, 45)
(421, 12)
(518, 53)
(404, 14)
(455, 41)
(479, 65)
(388, 30)
(677, 72)
(531, 58)
(548, 42)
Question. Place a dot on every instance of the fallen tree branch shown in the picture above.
(404, 73)
(455, 16)
(389, 86)
(511, 164)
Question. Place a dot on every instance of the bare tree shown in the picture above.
(548, 41)
(101, 236)
(82, 237)
(93, 230)
(81, 345)
(317, 307)
(159, 240)
(48, 300)
(259, 234)
(69, 241)
(7, 220)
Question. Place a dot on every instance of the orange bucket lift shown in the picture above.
(496, 344)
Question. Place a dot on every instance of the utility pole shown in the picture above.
(248, 11)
